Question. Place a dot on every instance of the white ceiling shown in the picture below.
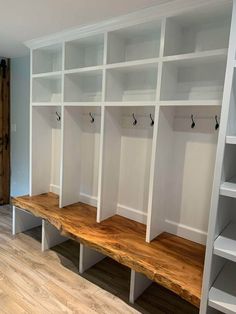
(22, 20)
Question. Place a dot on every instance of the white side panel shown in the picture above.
(88, 257)
(23, 221)
(71, 169)
(138, 284)
(50, 236)
(111, 163)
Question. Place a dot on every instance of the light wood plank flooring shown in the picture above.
(36, 282)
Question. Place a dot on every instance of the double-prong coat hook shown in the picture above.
(193, 122)
(217, 123)
(91, 117)
(135, 120)
(58, 116)
(152, 121)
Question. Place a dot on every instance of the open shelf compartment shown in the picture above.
(134, 43)
(127, 148)
(201, 30)
(47, 89)
(84, 52)
(47, 59)
(46, 150)
(134, 83)
(222, 295)
(83, 87)
(80, 170)
(183, 172)
(193, 79)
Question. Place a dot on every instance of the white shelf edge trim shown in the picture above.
(225, 244)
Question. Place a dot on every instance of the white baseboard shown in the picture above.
(132, 213)
(55, 189)
(88, 199)
(122, 210)
(186, 232)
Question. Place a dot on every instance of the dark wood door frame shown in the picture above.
(5, 131)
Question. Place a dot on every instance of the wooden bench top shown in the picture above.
(171, 261)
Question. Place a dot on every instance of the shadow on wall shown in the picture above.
(20, 107)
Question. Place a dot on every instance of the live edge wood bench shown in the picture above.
(173, 262)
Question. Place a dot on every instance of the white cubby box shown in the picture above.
(83, 87)
(184, 166)
(195, 79)
(47, 89)
(127, 150)
(134, 43)
(82, 127)
(84, 52)
(45, 150)
(47, 59)
(198, 31)
(132, 83)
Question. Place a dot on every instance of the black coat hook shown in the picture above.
(58, 116)
(135, 120)
(217, 123)
(193, 123)
(152, 121)
(92, 118)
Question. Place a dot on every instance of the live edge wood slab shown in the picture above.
(171, 261)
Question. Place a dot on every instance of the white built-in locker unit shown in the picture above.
(125, 116)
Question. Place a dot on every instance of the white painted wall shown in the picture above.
(20, 102)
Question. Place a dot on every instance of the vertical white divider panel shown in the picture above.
(62, 123)
(110, 163)
(151, 232)
(138, 284)
(207, 276)
(71, 170)
(23, 221)
(88, 257)
(100, 171)
(30, 127)
(50, 236)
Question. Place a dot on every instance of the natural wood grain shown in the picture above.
(171, 261)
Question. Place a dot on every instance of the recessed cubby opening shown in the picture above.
(198, 31)
(184, 168)
(136, 83)
(84, 52)
(200, 79)
(127, 148)
(80, 170)
(134, 43)
(46, 150)
(47, 59)
(85, 86)
(46, 89)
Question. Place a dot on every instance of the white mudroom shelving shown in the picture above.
(131, 116)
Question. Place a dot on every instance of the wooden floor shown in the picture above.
(171, 261)
(36, 282)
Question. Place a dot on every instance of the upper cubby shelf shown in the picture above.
(134, 43)
(134, 83)
(197, 31)
(83, 87)
(46, 89)
(47, 59)
(193, 79)
(84, 52)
